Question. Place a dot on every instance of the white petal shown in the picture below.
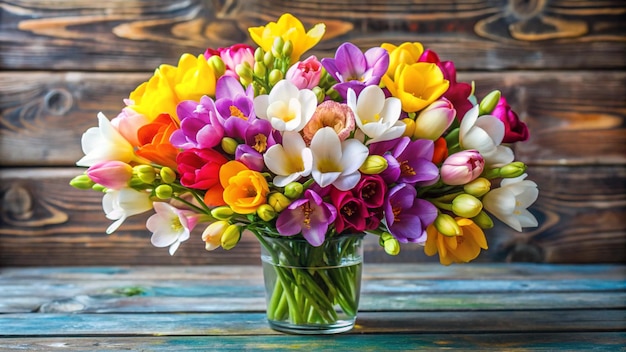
(324, 145)
(308, 101)
(163, 238)
(114, 226)
(478, 139)
(324, 179)
(282, 181)
(468, 121)
(353, 155)
(392, 133)
(493, 126)
(275, 158)
(283, 90)
(174, 247)
(347, 182)
(527, 219)
(370, 102)
(261, 103)
(391, 110)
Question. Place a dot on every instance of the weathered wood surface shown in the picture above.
(138, 35)
(575, 117)
(403, 307)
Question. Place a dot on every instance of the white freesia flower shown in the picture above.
(509, 202)
(336, 162)
(104, 143)
(169, 225)
(289, 161)
(120, 204)
(287, 108)
(485, 133)
(376, 116)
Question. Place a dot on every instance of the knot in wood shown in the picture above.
(58, 101)
(526, 9)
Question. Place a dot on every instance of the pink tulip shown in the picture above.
(111, 174)
(128, 123)
(434, 120)
(305, 74)
(462, 167)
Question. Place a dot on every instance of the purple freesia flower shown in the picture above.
(354, 69)
(408, 161)
(309, 215)
(249, 157)
(407, 216)
(200, 125)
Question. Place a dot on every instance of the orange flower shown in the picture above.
(154, 141)
(244, 189)
(456, 249)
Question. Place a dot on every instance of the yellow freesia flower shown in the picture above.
(405, 53)
(417, 85)
(289, 28)
(456, 249)
(190, 80)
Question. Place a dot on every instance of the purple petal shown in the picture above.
(228, 87)
(289, 222)
(377, 59)
(350, 61)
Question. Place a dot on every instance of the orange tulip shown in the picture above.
(154, 141)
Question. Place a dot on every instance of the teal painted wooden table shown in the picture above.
(474, 307)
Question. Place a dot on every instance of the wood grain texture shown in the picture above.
(42, 119)
(138, 35)
(44, 221)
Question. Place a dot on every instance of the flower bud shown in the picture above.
(275, 76)
(99, 187)
(489, 103)
(164, 191)
(244, 71)
(277, 46)
(294, 190)
(478, 188)
(222, 213)
(212, 235)
(392, 246)
(446, 225)
(287, 48)
(266, 212)
(231, 237)
(258, 55)
(82, 182)
(373, 165)
(483, 220)
(513, 169)
(466, 205)
(462, 167)
(434, 120)
(167, 175)
(217, 64)
(410, 127)
(268, 59)
(145, 173)
(319, 94)
(278, 201)
(229, 145)
(259, 69)
(111, 174)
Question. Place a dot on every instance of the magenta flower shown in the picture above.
(407, 216)
(310, 216)
(462, 167)
(514, 129)
(354, 69)
(371, 190)
(305, 74)
(233, 56)
(200, 126)
(351, 211)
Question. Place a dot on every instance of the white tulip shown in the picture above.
(120, 204)
(485, 134)
(509, 202)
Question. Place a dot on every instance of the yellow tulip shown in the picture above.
(456, 249)
(405, 53)
(289, 28)
(417, 85)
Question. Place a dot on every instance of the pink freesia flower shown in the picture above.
(233, 56)
(309, 215)
(305, 74)
(514, 129)
(351, 211)
(128, 122)
(371, 190)
(462, 167)
(110, 174)
(170, 226)
(434, 120)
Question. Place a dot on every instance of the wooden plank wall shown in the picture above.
(560, 63)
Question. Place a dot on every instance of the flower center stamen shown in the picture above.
(235, 112)
(406, 169)
(260, 143)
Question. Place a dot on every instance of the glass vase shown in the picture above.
(312, 290)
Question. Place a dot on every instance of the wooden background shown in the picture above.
(561, 64)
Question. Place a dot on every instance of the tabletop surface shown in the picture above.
(475, 307)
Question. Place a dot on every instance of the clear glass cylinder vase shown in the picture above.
(312, 290)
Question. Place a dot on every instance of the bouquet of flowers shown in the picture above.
(383, 142)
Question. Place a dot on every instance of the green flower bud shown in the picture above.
(99, 188)
(82, 182)
(373, 165)
(294, 190)
(287, 48)
(217, 64)
(222, 213)
(514, 169)
(164, 191)
(145, 173)
(483, 220)
(392, 246)
(278, 201)
(135, 182)
(478, 188)
(244, 71)
(167, 175)
(231, 237)
(258, 55)
(229, 145)
(268, 59)
(319, 94)
(466, 205)
(277, 47)
(259, 69)
(275, 76)
(491, 173)
(446, 225)
(489, 103)
(266, 212)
